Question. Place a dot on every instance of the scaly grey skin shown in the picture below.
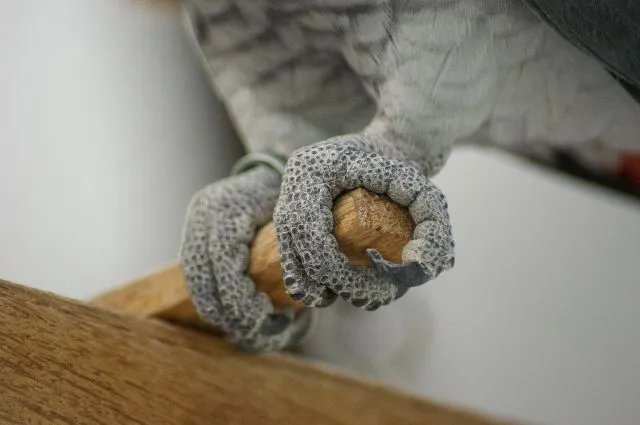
(374, 94)
(222, 221)
(315, 271)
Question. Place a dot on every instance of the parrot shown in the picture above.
(333, 95)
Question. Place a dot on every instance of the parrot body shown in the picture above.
(373, 94)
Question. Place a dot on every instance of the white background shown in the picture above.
(107, 127)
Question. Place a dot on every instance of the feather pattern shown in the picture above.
(440, 71)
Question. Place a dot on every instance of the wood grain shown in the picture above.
(63, 362)
(362, 220)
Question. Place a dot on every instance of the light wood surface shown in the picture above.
(362, 220)
(64, 362)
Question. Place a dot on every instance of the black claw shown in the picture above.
(402, 290)
(373, 306)
(359, 302)
(328, 298)
(297, 296)
(276, 323)
(401, 275)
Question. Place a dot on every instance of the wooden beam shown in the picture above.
(64, 362)
(361, 218)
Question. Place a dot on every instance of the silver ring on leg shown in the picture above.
(255, 159)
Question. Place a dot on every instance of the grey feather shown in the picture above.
(374, 94)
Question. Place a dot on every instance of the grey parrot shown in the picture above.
(330, 95)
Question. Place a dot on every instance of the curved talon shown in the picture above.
(275, 323)
(402, 275)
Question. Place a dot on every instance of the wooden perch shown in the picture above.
(64, 362)
(362, 220)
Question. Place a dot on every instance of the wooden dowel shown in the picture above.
(362, 220)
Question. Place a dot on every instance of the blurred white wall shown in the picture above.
(107, 128)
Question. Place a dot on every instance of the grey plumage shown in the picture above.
(371, 93)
